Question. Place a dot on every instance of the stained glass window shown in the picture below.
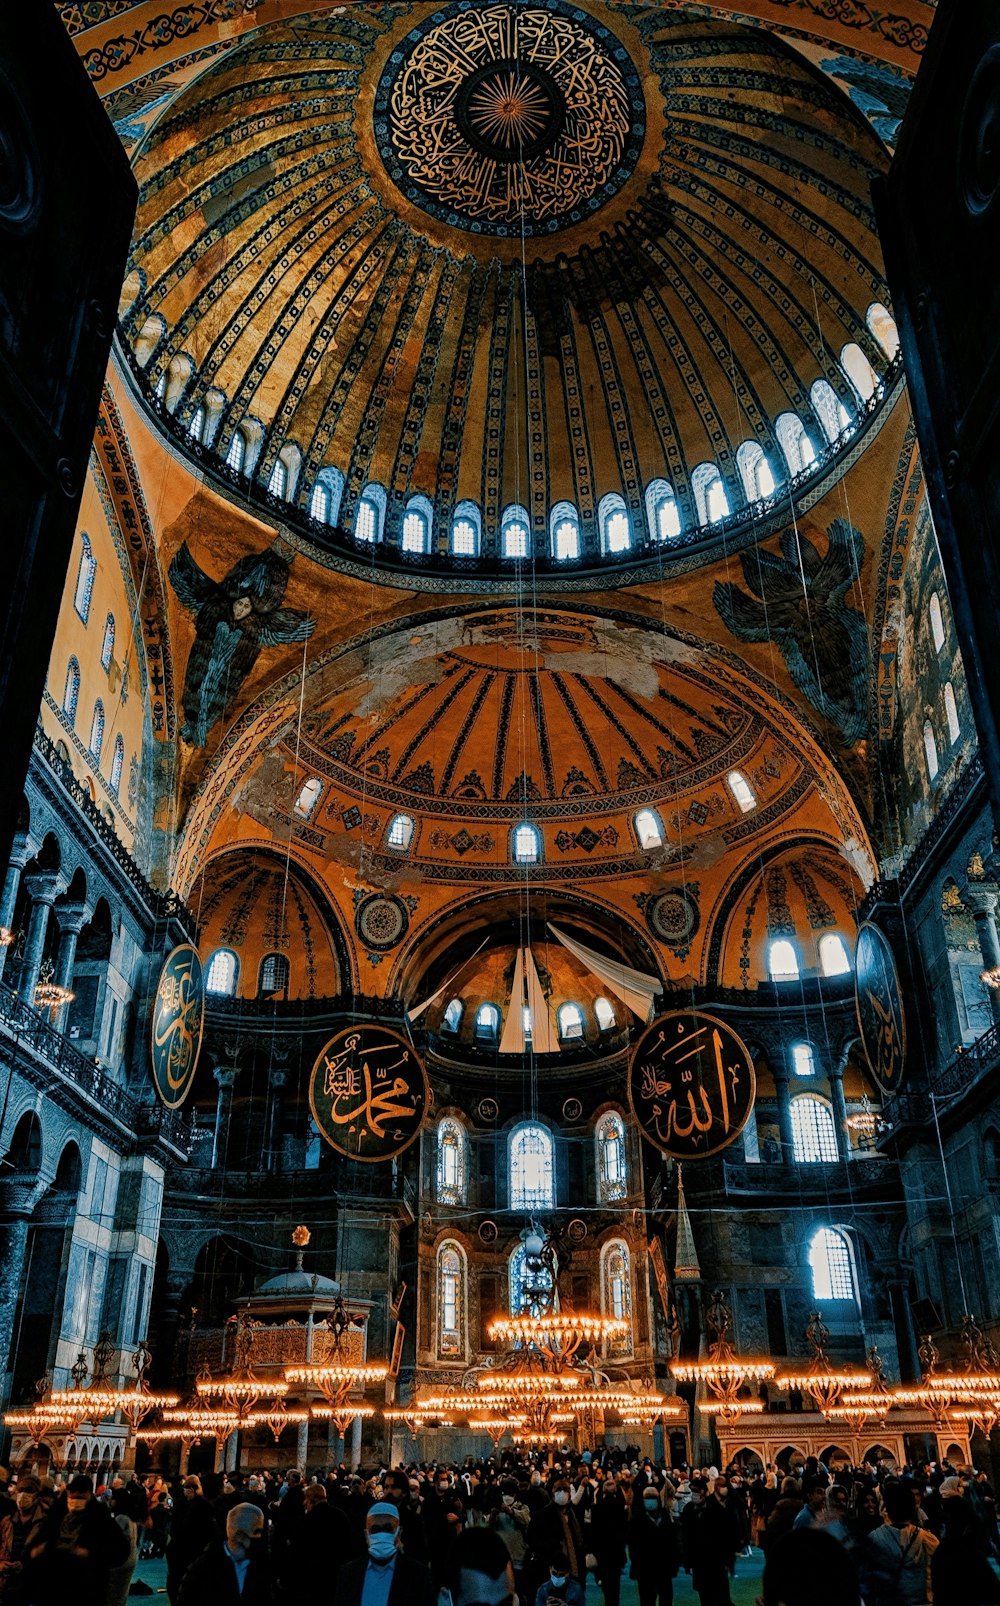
(450, 1163)
(85, 579)
(223, 970)
(616, 1291)
(830, 1264)
(611, 1171)
(451, 1299)
(814, 1136)
(530, 1284)
(531, 1170)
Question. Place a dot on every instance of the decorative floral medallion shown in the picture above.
(508, 118)
(576, 1232)
(381, 921)
(672, 916)
(488, 1232)
(572, 1110)
(489, 1109)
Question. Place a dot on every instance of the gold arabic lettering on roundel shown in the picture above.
(177, 1025)
(879, 1003)
(368, 1093)
(691, 1084)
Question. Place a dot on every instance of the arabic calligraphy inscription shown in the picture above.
(881, 1021)
(178, 1018)
(368, 1093)
(691, 1084)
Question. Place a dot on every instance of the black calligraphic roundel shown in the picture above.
(178, 1019)
(691, 1084)
(368, 1093)
(881, 1021)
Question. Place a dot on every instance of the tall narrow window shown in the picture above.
(649, 829)
(273, 976)
(487, 1024)
(451, 1299)
(930, 750)
(531, 1171)
(85, 579)
(319, 503)
(451, 1169)
(526, 844)
(196, 423)
(324, 504)
(782, 960)
(937, 622)
(710, 497)
(108, 644)
(97, 731)
(570, 1020)
(366, 520)
(951, 713)
(400, 833)
(794, 442)
(803, 1059)
(278, 483)
(564, 525)
(831, 1266)
(814, 1136)
(883, 326)
(834, 960)
(662, 512)
(613, 521)
(612, 1180)
(617, 1282)
(514, 538)
(604, 1012)
(309, 796)
(71, 690)
(223, 973)
(742, 791)
(415, 531)
(755, 471)
(859, 371)
(829, 409)
(465, 528)
(117, 764)
(237, 454)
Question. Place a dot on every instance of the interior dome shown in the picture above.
(250, 904)
(803, 898)
(320, 271)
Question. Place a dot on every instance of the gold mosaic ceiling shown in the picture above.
(334, 268)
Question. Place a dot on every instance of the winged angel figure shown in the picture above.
(803, 609)
(235, 618)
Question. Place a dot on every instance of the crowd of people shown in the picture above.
(512, 1532)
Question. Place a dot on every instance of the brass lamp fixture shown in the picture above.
(823, 1381)
(240, 1391)
(48, 993)
(723, 1371)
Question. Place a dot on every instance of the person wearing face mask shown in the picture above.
(556, 1529)
(607, 1539)
(20, 1529)
(653, 1547)
(479, 1572)
(80, 1542)
(715, 1539)
(232, 1571)
(386, 1576)
(511, 1520)
(559, 1589)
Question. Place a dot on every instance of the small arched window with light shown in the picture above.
(795, 443)
(223, 973)
(85, 576)
(755, 471)
(930, 750)
(831, 1265)
(236, 456)
(829, 409)
(277, 485)
(97, 731)
(834, 960)
(564, 528)
(803, 1059)
(613, 523)
(814, 1136)
(486, 1028)
(466, 531)
(883, 326)
(604, 1014)
(782, 960)
(616, 1290)
(273, 976)
(648, 829)
(937, 621)
(451, 1300)
(451, 1020)
(324, 504)
(532, 1184)
(743, 792)
(370, 516)
(309, 795)
(196, 424)
(400, 833)
(526, 844)
(951, 713)
(71, 690)
(117, 765)
(108, 644)
(451, 1167)
(663, 514)
(570, 1021)
(515, 537)
(417, 527)
(859, 371)
(612, 1176)
(710, 497)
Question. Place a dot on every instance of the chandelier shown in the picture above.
(556, 1338)
(723, 1371)
(240, 1391)
(823, 1381)
(210, 1423)
(968, 1394)
(337, 1379)
(48, 993)
(278, 1416)
(102, 1398)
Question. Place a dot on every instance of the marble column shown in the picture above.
(780, 1075)
(279, 1079)
(980, 898)
(356, 1443)
(225, 1076)
(71, 919)
(11, 885)
(43, 887)
(16, 1200)
(840, 1110)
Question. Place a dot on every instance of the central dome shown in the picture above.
(509, 119)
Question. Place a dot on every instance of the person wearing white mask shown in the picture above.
(385, 1577)
(557, 1529)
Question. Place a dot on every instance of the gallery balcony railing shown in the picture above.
(968, 1072)
(822, 1178)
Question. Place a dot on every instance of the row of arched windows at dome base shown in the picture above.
(759, 474)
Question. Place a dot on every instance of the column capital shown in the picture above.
(71, 916)
(980, 897)
(20, 852)
(43, 886)
(279, 1078)
(226, 1076)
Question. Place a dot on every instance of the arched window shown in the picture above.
(782, 960)
(570, 1018)
(196, 423)
(400, 833)
(755, 471)
(309, 796)
(794, 442)
(814, 1136)
(71, 690)
(662, 512)
(223, 973)
(937, 622)
(117, 765)
(451, 1168)
(466, 531)
(883, 326)
(859, 371)
(831, 1265)
(319, 504)
(564, 532)
(526, 844)
(417, 526)
(710, 497)
(487, 1024)
(834, 960)
(613, 522)
(829, 409)
(649, 829)
(803, 1059)
(85, 579)
(324, 505)
(97, 731)
(236, 456)
(612, 1176)
(515, 538)
(930, 750)
(108, 644)
(160, 388)
(605, 1013)
(616, 1285)
(531, 1171)
(451, 1020)
(951, 713)
(278, 483)
(530, 1284)
(369, 519)
(451, 1299)
(273, 976)
(742, 791)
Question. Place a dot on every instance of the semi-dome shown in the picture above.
(425, 270)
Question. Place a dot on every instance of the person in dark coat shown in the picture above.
(21, 1528)
(229, 1572)
(555, 1528)
(193, 1528)
(960, 1572)
(410, 1583)
(654, 1548)
(714, 1541)
(80, 1543)
(325, 1539)
(396, 1487)
(607, 1539)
